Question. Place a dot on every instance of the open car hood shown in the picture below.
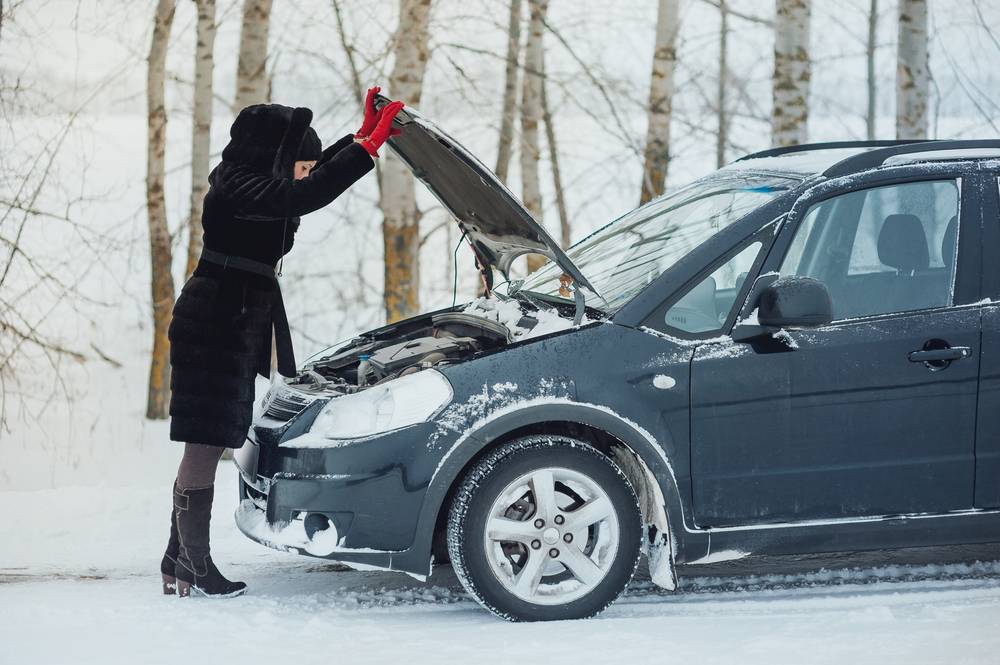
(493, 219)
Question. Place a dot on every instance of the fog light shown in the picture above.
(322, 534)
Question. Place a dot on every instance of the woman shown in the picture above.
(272, 171)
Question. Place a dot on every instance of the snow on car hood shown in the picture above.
(495, 222)
(509, 314)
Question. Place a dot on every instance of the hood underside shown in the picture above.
(495, 222)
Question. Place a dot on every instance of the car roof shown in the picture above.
(840, 158)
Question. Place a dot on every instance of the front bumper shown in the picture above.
(368, 496)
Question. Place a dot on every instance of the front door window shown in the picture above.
(881, 250)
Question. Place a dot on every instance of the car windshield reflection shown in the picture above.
(632, 251)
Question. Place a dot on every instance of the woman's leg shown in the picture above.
(196, 471)
(198, 465)
(194, 491)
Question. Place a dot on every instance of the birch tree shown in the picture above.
(790, 85)
(912, 74)
(661, 91)
(722, 131)
(550, 139)
(252, 85)
(531, 115)
(201, 126)
(872, 85)
(509, 91)
(158, 396)
(398, 199)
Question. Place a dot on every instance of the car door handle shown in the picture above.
(932, 355)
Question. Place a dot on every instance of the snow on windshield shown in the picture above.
(626, 255)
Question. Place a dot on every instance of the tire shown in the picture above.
(523, 572)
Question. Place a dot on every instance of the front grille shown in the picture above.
(285, 404)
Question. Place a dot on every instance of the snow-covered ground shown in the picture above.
(79, 584)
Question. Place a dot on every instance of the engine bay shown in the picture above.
(394, 351)
(432, 340)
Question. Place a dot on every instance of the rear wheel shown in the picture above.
(545, 528)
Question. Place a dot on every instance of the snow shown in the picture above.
(721, 555)
(79, 584)
(509, 313)
(786, 337)
(664, 382)
(252, 520)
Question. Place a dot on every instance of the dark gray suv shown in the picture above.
(798, 353)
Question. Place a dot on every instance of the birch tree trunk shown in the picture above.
(201, 126)
(252, 85)
(870, 44)
(661, 92)
(912, 75)
(509, 91)
(398, 200)
(550, 138)
(790, 91)
(531, 115)
(722, 132)
(158, 396)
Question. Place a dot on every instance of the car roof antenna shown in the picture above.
(565, 281)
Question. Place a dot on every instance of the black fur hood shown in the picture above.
(270, 138)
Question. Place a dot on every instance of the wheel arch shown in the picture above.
(641, 458)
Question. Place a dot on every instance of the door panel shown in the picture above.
(988, 422)
(848, 420)
(843, 425)
(988, 434)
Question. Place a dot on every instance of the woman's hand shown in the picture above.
(383, 129)
(371, 115)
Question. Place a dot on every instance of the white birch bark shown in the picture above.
(201, 126)
(162, 285)
(400, 223)
(509, 91)
(872, 86)
(531, 116)
(722, 127)
(912, 74)
(790, 91)
(661, 92)
(252, 84)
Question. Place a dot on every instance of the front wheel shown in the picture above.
(545, 528)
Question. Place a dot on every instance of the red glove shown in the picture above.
(383, 129)
(371, 115)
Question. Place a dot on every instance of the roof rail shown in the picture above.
(828, 145)
(875, 158)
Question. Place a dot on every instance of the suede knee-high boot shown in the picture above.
(195, 569)
(169, 561)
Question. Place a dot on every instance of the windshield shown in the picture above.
(630, 252)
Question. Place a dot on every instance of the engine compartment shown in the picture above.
(401, 349)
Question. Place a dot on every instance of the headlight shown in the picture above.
(408, 400)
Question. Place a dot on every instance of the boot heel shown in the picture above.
(169, 585)
(183, 588)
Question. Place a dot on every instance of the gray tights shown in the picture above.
(197, 468)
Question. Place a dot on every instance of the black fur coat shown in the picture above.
(220, 333)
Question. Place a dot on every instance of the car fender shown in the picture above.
(485, 433)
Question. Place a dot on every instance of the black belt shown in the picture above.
(238, 262)
(279, 319)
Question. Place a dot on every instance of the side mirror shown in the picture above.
(788, 302)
